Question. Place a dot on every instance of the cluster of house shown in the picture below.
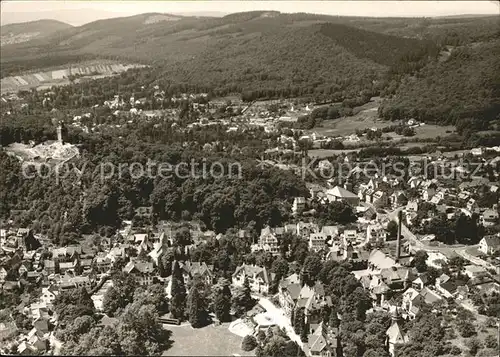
(388, 191)
(27, 259)
(379, 270)
(383, 273)
(452, 200)
(386, 275)
(28, 262)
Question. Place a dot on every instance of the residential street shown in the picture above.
(282, 320)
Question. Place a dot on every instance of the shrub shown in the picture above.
(467, 329)
(490, 341)
(455, 351)
(249, 343)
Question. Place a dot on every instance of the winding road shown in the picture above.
(281, 320)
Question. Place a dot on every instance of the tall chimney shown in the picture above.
(398, 247)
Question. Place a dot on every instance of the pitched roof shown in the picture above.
(429, 296)
(254, 270)
(200, 268)
(411, 293)
(141, 267)
(341, 192)
(291, 279)
(317, 341)
(293, 290)
(395, 334)
(316, 299)
(444, 278)
(492, 241)
(382, 288)
(380, 259)
(108, 321)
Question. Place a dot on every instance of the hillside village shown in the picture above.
(390, 245)
(303, 211)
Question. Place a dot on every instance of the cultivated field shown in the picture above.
(59, 75)
(207, 341)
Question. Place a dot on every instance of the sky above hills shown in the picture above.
(80, 12)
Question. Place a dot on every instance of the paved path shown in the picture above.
(281, 319)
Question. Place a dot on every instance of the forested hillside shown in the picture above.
(165, 39)
(34, 29)
(324, 59)
(462, 86)
(264, 54)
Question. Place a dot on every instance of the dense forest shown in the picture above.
(464, 85)
(435, 70)
(245, 195)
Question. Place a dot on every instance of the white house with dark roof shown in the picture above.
(49, 294)
(201, 269)
(268, 241)
(489, 244)
(299, 205)
(490, 217)
(375, 233)
(304, 229)
(317, 241)
(142, 271)
(412, 206)
(259, 277)
(288, 293)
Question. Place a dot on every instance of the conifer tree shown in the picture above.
(178, 292)
(298, 324)
(334, 319)
(223, 301)
(195, 307)
(304, 332)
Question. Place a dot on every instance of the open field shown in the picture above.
(348, 125)
(366, 118)
(59, 75)
(427, 133)
(430, 131)
(207, 341)
(322, 153)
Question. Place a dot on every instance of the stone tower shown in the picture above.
(59, 134)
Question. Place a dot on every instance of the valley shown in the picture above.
(262, 183)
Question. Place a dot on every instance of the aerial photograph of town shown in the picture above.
(250, 178)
